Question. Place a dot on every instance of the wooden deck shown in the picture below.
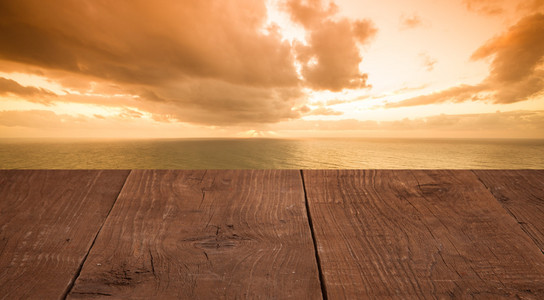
(311, 234)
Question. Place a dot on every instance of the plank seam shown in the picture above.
(78, 272)
(509, 212)
(314, 241)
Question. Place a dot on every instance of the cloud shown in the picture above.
(497, 7)
(173, 52)
(516, 70)
(410, 89)
(310, 13)
(48, 119)
(131, 114)
(123, 124)
(486, 7)
(206, 62)
(323, 111)
(144, 42)
(457, 94)
(330, 60)
(515, 123)
(36, 119)
(221, 103)
(427, 61)
(531, 5)
(410, 22)
(34, 94)
(499, 124)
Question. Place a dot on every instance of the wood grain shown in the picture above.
(418, 234)
(48, 221)
(521, 193)
(204, 235)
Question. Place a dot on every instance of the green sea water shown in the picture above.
(330, 153)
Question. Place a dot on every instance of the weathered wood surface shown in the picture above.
(48, 221)
(204, 235)
(521, 193)
(242, 234)
(418, 234)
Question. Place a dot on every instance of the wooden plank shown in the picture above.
(207, 235)
(48, 221)
(521, 193)
(418, 234)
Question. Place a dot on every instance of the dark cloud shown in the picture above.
(516, 72)
(204, 61)
(148, 42)
(210, 58)
(8, 86)
(330, 60)
(221, 103)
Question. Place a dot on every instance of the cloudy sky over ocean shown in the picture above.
(286, 68)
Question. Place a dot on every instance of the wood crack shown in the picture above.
(152, 263)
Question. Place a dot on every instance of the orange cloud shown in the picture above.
(427, 61)
(501, 124)
(149, 43)
(38, 119)
(321, 111)
(497, 7)
(330, 60)
(209, 59)
(531, 5)
(516, 69)
(202, 61)
(487, 7)
(221, 103)
(410, 22)
(513, 123)
(457, 94)
(34, 94)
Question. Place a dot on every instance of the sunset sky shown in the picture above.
(286, 68)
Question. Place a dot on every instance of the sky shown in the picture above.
(272, 68)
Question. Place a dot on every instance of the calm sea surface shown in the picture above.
(272, 154)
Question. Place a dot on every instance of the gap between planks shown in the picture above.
(314, 241)
(78, 272)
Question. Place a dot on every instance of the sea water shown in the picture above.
(324, 153)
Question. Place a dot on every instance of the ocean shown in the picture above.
(321, 153)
